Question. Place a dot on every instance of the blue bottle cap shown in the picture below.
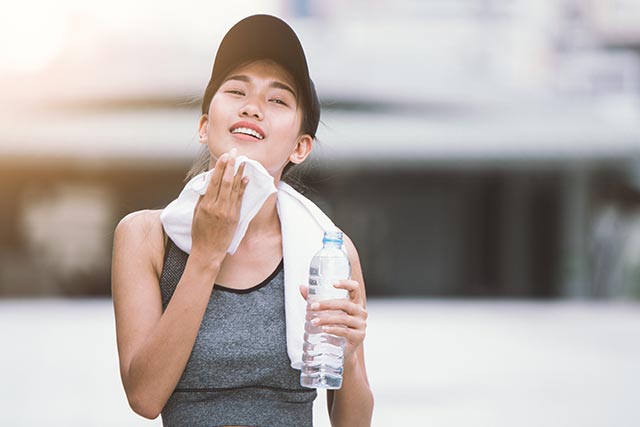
(332, 236)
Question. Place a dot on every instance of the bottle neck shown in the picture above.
(332, 239)
(332, 245)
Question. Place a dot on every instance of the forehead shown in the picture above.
(264, 69)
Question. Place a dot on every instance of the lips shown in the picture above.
(249, 129)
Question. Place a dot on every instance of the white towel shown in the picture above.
(302, 223)
(177, 217)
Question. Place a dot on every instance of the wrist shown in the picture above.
(205, 265)
(351, 362)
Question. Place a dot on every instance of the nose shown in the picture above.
(251, 109)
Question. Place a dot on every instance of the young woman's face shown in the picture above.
(256, 111)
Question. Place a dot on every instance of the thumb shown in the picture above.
(304, 291)
(195, 208)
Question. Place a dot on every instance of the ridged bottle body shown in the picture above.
(323, 354)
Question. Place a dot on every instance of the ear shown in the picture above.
(203, 128)
(302, 149)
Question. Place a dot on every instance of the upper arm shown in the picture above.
(135, 287)
(356, 268)
(356, 274)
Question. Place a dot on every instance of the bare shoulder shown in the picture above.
(141, 233)
(144, 220)
(139, 226)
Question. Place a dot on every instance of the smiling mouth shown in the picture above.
(249, 132)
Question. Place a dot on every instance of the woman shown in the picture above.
(201, 336)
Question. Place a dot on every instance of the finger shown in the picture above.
(345, 305)
(350, 285)
(304, 291)
(342, 320)
(239, 195)
(214, 183)
(354, 336)
(195, 209)
(237, 180)
(226, 182)
(243, 187)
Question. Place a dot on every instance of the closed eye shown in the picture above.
(279, 101)
(235, 92)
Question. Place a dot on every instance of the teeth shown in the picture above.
(247, 131)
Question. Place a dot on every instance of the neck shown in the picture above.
(266, 220)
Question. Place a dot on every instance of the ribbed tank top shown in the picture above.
(239, 372)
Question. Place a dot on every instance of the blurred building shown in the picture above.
(468, 147)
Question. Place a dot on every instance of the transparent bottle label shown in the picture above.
(323, 278)
(326, 292)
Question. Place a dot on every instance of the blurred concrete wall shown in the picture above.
(488, 232)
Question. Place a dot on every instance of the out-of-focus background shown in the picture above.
(483, 155)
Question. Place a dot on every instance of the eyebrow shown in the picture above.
(274, 84)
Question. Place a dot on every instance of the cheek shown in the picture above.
(289, 125)
(217, 110)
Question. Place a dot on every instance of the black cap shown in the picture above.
(266, 37)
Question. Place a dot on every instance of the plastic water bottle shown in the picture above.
(323, 354)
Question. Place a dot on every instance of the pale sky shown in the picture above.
(34, 32)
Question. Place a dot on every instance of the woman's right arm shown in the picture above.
(153, 346)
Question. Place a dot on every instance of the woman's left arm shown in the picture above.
(352, 404)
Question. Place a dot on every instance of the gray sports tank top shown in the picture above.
(239, 371)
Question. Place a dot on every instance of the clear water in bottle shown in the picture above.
(323, 354)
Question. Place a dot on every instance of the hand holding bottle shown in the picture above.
(335, 322)
(345, 318)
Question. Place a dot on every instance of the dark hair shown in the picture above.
(307, 125)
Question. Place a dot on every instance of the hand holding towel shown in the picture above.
(177, 217)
